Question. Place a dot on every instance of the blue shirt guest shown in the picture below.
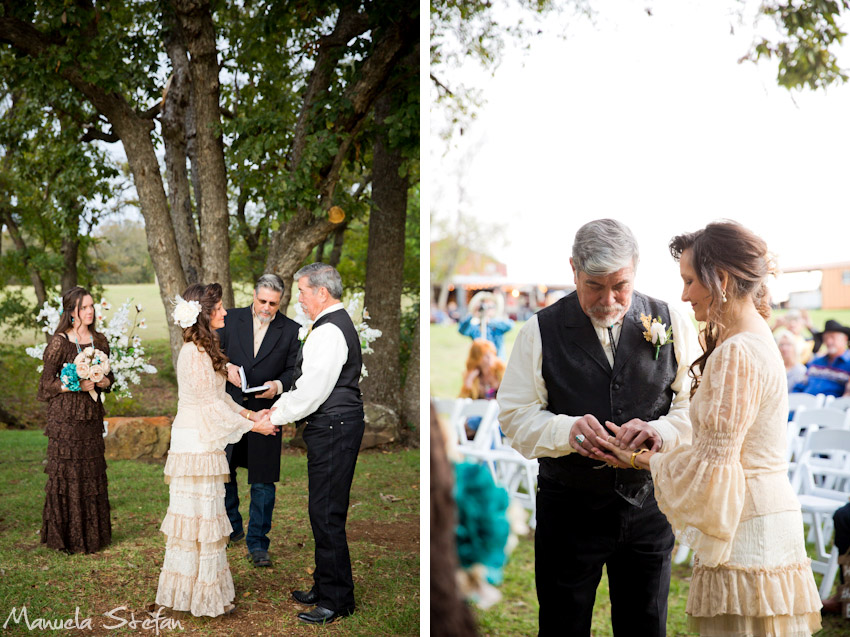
(830, 374)
(576, 364)
(481, 322)
(264, 343)
(326, 399)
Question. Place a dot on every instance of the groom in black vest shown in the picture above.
(327, 400)
(576, 365)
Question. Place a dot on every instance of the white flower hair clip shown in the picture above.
(186, 312)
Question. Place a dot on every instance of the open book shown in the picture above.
(245, 388)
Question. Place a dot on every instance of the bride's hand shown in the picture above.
(264, 426)
(259, 415)
(624, 456)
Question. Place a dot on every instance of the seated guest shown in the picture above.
(791, 349)
(829, 374)
(482, 377)
(841, 518)
(484, 371)
(795, 321)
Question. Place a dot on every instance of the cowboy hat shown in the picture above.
(835, 326)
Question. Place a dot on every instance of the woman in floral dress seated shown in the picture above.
(195, 576)
(727, 494)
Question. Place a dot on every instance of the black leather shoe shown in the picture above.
(310, 598)
(321, 615)
(235, 538)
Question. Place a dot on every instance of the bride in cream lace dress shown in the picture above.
(727, 494)
(195, 576)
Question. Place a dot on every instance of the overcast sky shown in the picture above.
(650, 120)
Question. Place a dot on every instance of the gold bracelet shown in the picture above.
(635, 455)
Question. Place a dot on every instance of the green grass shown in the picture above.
(383, 538)
(516, 613)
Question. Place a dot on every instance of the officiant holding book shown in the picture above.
(262, 345)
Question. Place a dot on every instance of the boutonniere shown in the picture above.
(656, 332)
(304, 332)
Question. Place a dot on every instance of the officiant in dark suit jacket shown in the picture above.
(264, 343)
(577, 364)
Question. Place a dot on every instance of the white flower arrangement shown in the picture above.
(126, 355)
(366, 334)
(185, 312)
(657, 333)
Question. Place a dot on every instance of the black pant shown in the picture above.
(332, 447)
(579, 532)
(841, 518)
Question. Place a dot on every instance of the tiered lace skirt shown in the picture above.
(766, 588)
(195, 576)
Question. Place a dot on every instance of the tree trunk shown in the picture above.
(21, 246)
(196, 20)
(177, 104)
(339, 237)
(299, 237)
(70, 249)
(410, 400)
(385, 265)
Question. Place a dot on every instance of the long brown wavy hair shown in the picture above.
(480, 347)
(725, 246)
(200, 333)
(73, 300)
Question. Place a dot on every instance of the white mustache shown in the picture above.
(607, 309)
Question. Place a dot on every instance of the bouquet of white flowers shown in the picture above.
(93, 365)
(127, 356)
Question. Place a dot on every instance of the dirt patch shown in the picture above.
(400, 536)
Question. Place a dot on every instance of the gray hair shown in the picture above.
(321, 275)
(270, 281)
(604, 246)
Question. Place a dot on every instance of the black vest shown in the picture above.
(580, 381)
(346, 396)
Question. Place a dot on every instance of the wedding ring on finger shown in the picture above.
(579, 439)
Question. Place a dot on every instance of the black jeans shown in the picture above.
(841, 518)
(332, 447)
(579, 532)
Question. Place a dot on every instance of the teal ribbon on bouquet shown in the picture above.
(69, 377)
(483, 527)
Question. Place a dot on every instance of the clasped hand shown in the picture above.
(263, 423)
(88, 385)
(626, 439)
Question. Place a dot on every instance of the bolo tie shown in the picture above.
(611, 340)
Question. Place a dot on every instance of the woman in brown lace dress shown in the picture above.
(76, 509)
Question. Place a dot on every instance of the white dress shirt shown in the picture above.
(523, 396)
(325, 352)
(260, 331)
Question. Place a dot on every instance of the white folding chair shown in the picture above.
(509, 468)
(821, 489)
(842, 404)
(796, 400)
(809, 420)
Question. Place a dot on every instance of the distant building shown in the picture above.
(832, 292)
(480, 272)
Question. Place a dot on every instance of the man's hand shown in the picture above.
(635, 434)
(271, 392)
(591, 430)
(233, 375)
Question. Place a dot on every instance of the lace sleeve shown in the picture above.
(220, 423)
(700, 487)
(49, 386)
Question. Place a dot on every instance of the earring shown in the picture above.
(72, 318)
(724, 296)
